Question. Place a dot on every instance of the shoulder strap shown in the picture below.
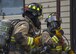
(15, 21)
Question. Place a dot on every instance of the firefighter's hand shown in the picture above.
(37, 40)
(19, 38)
(71, 52)
(59, 33)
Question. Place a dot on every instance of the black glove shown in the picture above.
(19, 38)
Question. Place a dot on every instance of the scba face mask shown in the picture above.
(53, 25)
(37, 23)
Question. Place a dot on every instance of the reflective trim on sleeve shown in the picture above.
(60, 28)
(56, 38)
(32, 46)
(30, 40)
(12, 39)
(59, 48)
(66, 48)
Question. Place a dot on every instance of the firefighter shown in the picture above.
(55, 31)
(26, 31)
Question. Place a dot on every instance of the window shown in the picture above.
(11, 7)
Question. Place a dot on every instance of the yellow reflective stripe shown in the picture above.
(32, 46)
(30, 40)
(29, 6)
(38, 9)
(34, 7)
(60, 28)
(66, 48)
(53, 49)
(56, 38)
(59, 48)
(12, 39)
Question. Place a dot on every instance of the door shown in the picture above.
(73, 24)
(11, 7)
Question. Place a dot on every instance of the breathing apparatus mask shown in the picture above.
(52, 22)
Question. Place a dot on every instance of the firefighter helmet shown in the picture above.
(34, 8)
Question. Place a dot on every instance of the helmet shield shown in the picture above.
(52, 18)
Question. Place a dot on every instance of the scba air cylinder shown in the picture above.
(5, 26)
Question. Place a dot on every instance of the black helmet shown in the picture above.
(34, 8)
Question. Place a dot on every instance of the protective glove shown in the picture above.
(19, 38)
(37, 40)
(59, 33)
(71, 52)
(46, 38)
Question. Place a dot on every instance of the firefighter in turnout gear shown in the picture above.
(27, 29)
(55, 31)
